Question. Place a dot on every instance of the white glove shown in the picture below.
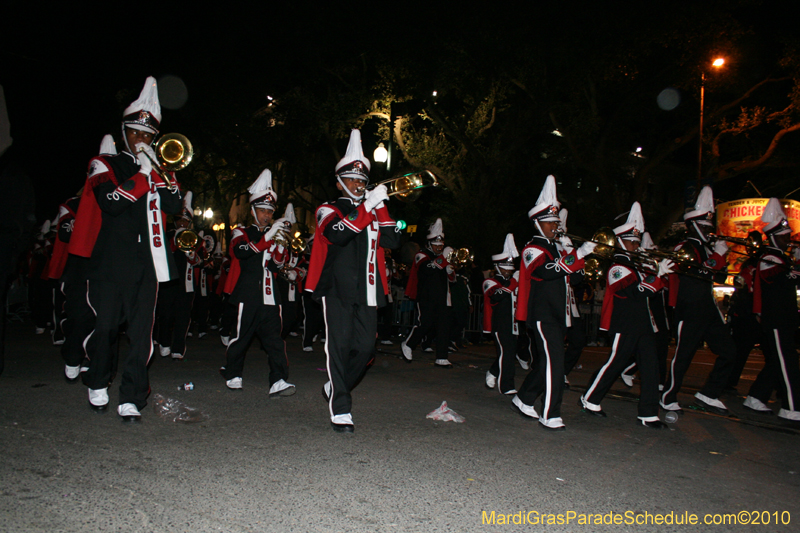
(665, 267)
(586, 248)
(450, 269)
(566, 243)
(144, 163)
(276, 228)
(721, 247)
(375, 197)
(796, 253)
(292, 275)
(446, 252)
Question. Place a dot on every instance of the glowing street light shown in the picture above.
(717, 63)
(208, 213)
(380, 154)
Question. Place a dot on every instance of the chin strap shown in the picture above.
(700, 234)
(539, 228)
(356, 199)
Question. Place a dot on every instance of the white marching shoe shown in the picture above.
(129, 412)
(281, 388)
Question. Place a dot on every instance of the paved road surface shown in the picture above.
(275, 465)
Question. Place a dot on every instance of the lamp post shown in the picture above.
(718, 62)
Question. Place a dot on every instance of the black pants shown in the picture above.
(781, 370)
(59, 312)
(547, 377)
(350, 333)
(200, 311)
(623, 347)
(692, 332)
(78, 324)
(313, 321)
(432, 317)
(576, 341)
(662, 350)
(264, 322)
(746, 332)
(525, 347)
(503, 367)
(113, 303)
(175, 316)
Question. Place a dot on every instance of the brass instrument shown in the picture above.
(174, 152)
(407, 186)
(298, 244)
(187, 240)
(460, 257)
(282, 236)
(751, 243)
(605, 239)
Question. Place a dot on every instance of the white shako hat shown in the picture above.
(562, 216)
(107, 145)
(261, 192)
(703, 210)
(354, 164)
(218, 250)
(145, 112)
(436, 232)
(506, 258)
(647, 241)
(546, 208)
(289, 214)
(775, 218)
(632, 229)
(186, 212)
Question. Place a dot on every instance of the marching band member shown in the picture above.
(499, 307)
(429, 284)
(257, 260)
(347, 274)
(576, 333)
(77, 319)
(696, 313)
(745, 326)
(120, 226)
(657, 303)
(176, 297)
(543, 304)
(775, 302)
(290, 279)
(627, 317)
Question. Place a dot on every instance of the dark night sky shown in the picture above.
(62, 66)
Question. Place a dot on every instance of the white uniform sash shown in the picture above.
(155, 227)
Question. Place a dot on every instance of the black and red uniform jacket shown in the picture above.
(544, 283)
(66, 220)
(775, 291)
(429, 281)
(693, 296)
(626, 305)
(347, 259)
(500, 303)
(254, 266)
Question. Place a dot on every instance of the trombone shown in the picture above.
(606, 247)
(407, 186)
(174, 152)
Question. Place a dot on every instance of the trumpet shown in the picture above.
(174, 152)
(460, 257)
(407, 186)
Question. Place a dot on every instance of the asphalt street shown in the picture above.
(259, 464)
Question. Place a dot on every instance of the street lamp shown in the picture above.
(717, 63)
(208, 213)
(380, 154)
